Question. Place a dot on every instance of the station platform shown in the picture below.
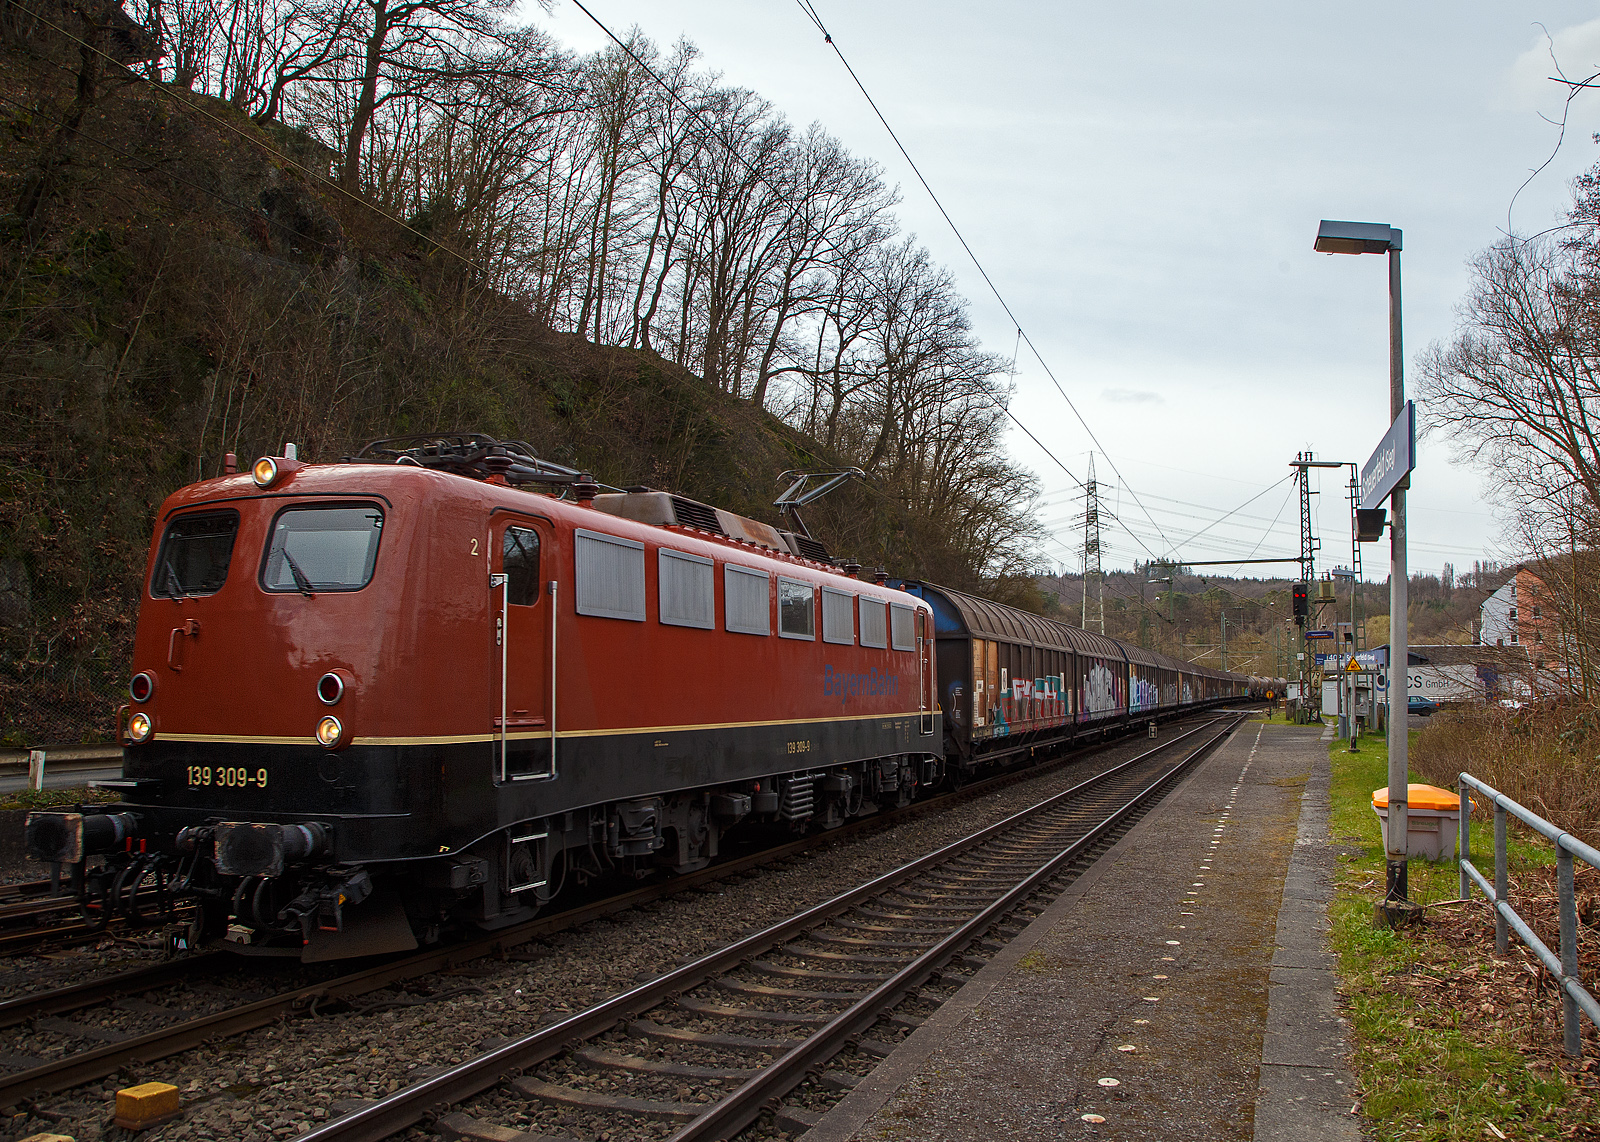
(1181, 989)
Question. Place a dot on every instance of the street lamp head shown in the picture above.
(1356, 238)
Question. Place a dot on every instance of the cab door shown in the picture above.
(522, 606)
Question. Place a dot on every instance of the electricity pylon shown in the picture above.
(1094, 601)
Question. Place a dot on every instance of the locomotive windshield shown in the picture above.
(328, 547)
(195, 553)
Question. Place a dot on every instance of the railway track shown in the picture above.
(136, 1017)
(33, 919)
(761, 1026)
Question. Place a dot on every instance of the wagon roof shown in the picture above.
(996, 621)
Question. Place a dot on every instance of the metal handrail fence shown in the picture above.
(1574, 997)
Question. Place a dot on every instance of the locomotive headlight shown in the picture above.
(264, 472)
(330, 687)
(141, 687)
(139, 727)
(330, 732)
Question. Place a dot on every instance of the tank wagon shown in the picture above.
(428, 686)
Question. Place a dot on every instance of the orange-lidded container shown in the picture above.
(1421, 797)
(1433, 816)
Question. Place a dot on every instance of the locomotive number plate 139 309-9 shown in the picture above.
(229, 776)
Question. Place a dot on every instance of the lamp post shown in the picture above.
(1378, 238)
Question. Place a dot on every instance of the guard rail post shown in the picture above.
(1576, 1000)
(1502, 929)
(1567, 898)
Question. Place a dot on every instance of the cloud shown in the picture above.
(1577, 49)
(1131, 396)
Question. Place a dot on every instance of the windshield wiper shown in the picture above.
(174, 584)
(300, 581)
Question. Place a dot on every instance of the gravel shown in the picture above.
(278, 1082)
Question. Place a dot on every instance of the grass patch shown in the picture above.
(1034, 961)
(1273, 717)
(51, 798)
(1450, 1040)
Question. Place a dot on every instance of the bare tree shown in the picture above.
(1517, 390)
(835, 202)
(414, 49)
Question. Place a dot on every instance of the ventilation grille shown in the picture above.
(810, 548)
(692, 514)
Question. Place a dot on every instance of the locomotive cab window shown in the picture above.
(328, 547)
(797, 611)
(747, 600)
(195, 553)
(519, 553)
(874, 622)
(900, 629)
(688, 589)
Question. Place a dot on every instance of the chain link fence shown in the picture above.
(64, 652)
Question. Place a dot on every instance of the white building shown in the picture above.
(1497, 618)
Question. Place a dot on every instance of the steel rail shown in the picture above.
(23, 907)
(19, 939)
(744, 1105)
(95, 1064)
(21, 1008)
(410, 1105)
(18, 1009)
(24, 890)
(79, 995)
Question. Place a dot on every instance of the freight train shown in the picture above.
(427, 686)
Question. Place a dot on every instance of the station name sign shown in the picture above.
(1391, 464)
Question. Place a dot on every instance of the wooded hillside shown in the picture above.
(1185, 618)
(228, 227)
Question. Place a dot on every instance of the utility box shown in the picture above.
(1325, 590)
(1433, 816)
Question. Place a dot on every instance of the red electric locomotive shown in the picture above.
(417, 689)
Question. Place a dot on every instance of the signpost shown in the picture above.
(1391, 463)
(1387, 475)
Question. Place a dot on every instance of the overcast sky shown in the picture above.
(1143, 184)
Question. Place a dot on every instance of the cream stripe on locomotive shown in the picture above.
(534, 735)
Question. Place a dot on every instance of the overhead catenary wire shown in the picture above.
(1215, 540)
(114, 149)
(810, 10)
(316, 177)
(844, 259)
(1246, 504)
(194, 109)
